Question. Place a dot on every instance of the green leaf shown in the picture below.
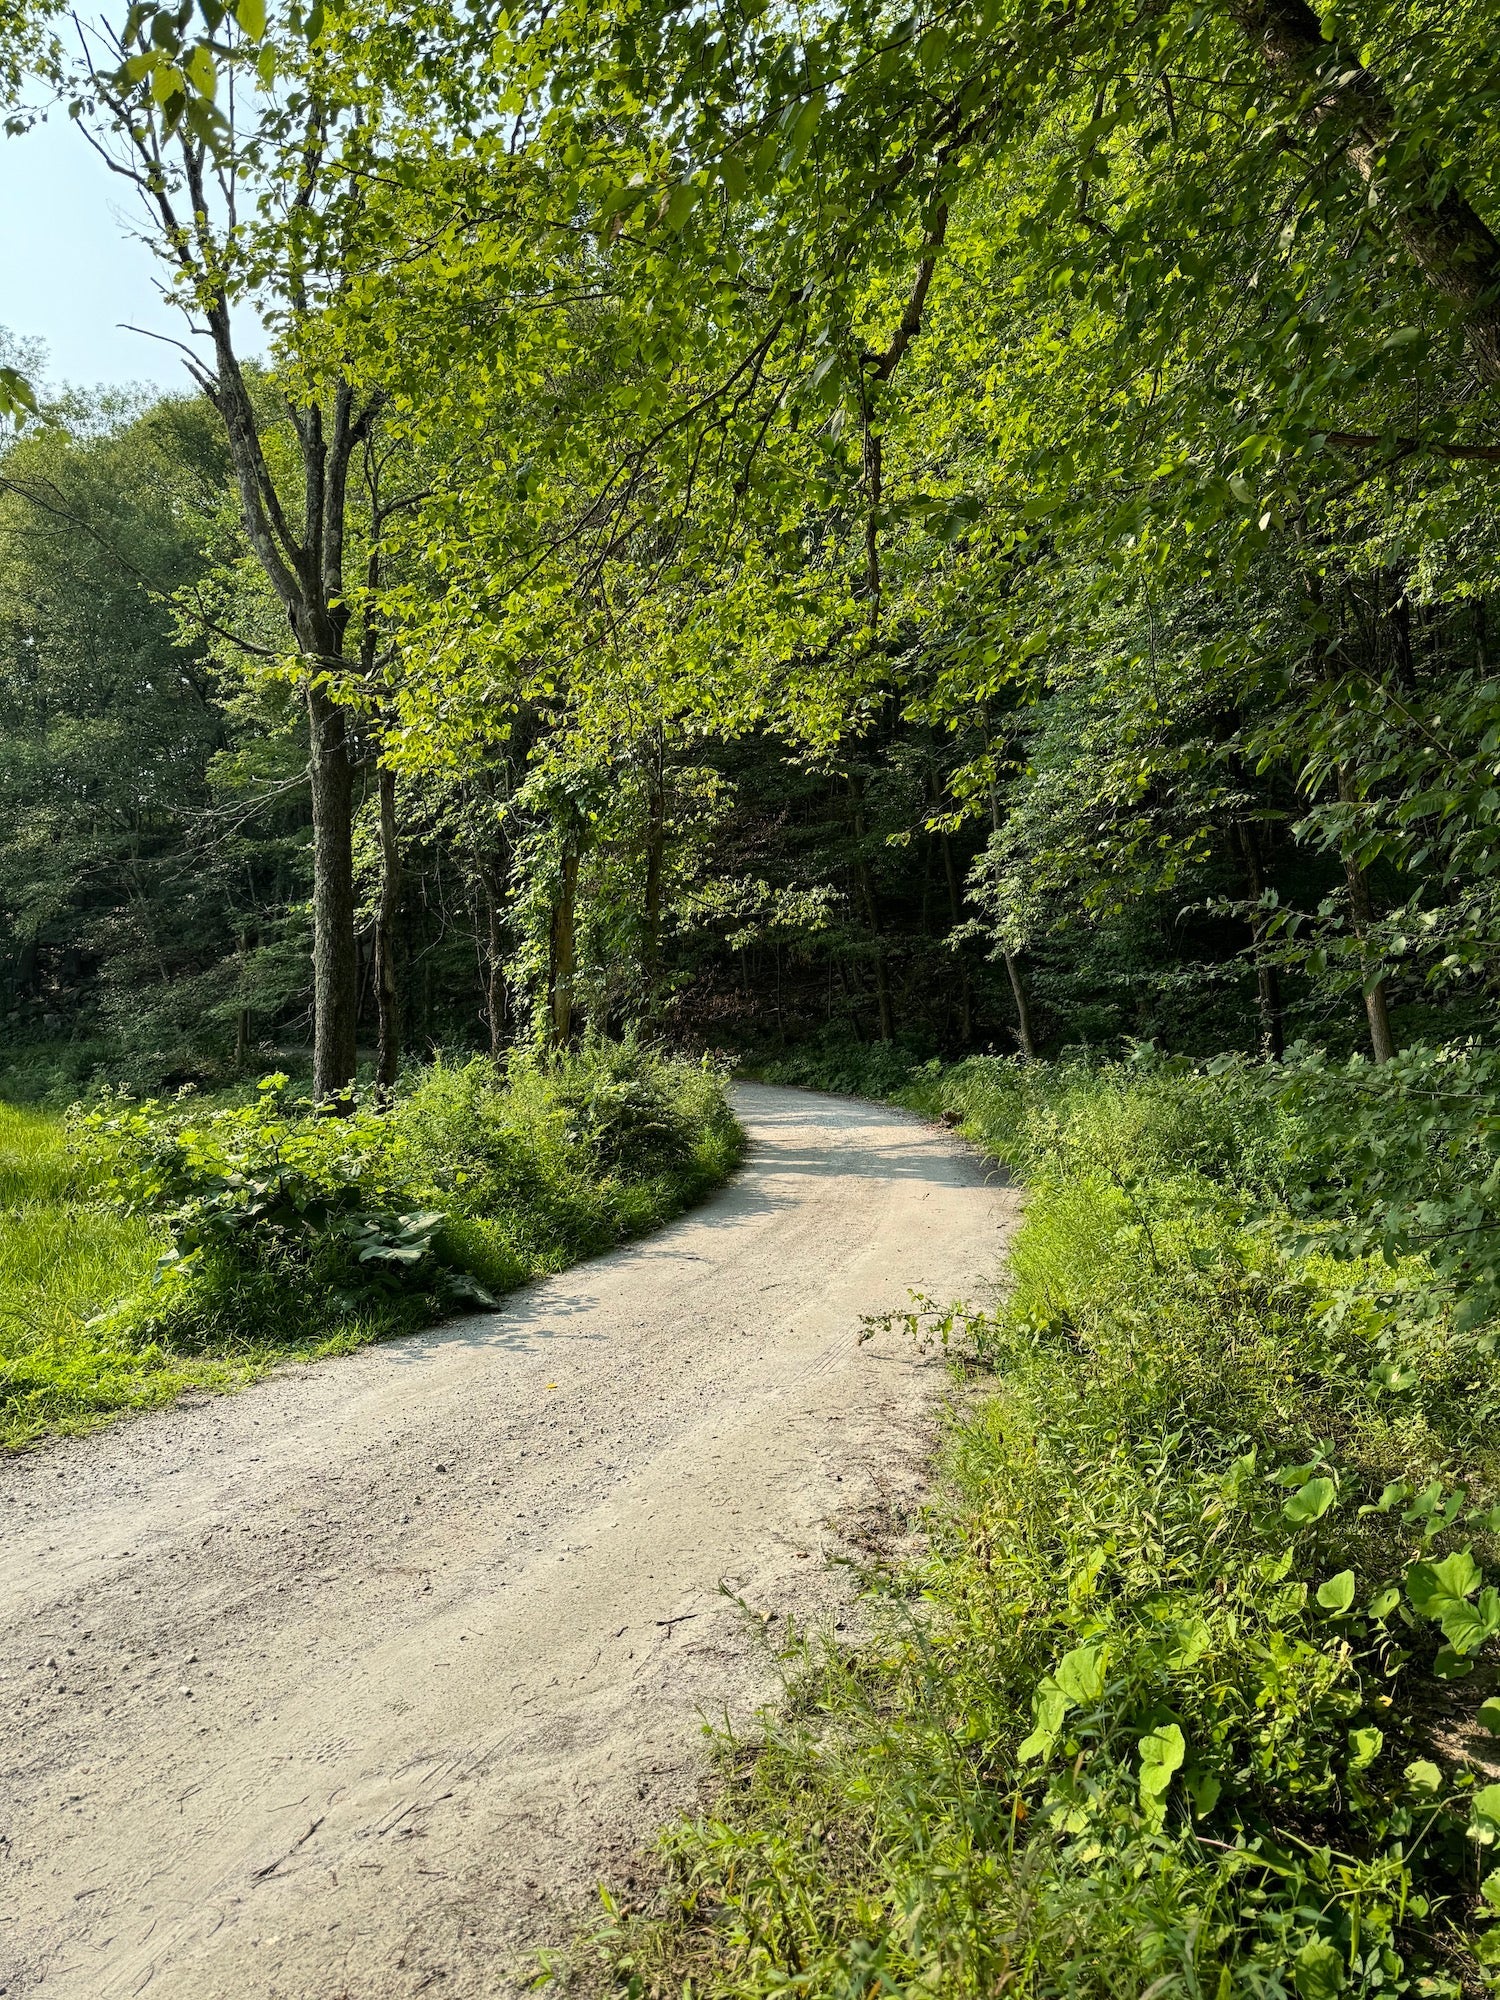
(1489, 1889)
(1383, 1603)
(1338, 1593)
(1489, 1715)
(1203, 1789)
(1430, 1586)
(1310, 1502)
(1466, 1626)
(251, 15)
(1395, 1376)
(1451, 1666)
(1318, 1970)
(1484, 1826)
(1049, 1708)
(1365, 1746)
(17, 397)
(201, 73)
(1162, 1753)
(1423, 1776)
(1080, 1674)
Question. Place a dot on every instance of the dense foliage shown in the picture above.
(973, 525)
(1194, 1691)
(154, 1247)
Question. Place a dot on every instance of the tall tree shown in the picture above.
(260, 209)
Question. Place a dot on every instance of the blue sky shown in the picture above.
(69, 269)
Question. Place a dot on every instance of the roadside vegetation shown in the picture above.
(857, 535)
(150, 1247)
(1195, 1691)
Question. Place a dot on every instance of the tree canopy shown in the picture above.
(973, 524)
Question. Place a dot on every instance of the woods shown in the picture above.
(869, 530)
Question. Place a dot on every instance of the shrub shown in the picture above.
(1195, 1692)
(282, 1225)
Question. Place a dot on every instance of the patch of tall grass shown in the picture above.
(1194, 1693)
(150, 1247)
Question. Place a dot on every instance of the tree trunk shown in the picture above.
(1023, 1011)
(387, 987)
(494, 979)
(564, 947)
(656, 845)
(955, 913)
(867, 897)
(1447, 239)
(1362, 913)
(1267, 984)
(335, 959)
(1024, 1039)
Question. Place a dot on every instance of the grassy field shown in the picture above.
(65, 1256)
(1195, 1694)
(160, 1248)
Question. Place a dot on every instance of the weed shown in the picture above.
(148, 1247)
(1193, 1692)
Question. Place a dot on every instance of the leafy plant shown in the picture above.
(1180, 1700)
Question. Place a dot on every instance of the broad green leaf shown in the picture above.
(1430, 1585)
(1310, 1502)
(1049, 1709)
(201, 73)
(1338, 1593)
(1365, 1746)
(1162, 1752)
(251, 16)
(1489, 1715)
(1451, 1665)
(1423, 1776)
(1080, 1674)
(1185, 1641)
(1204, 1790)
(1318, 1970)
(1484, 1826)
(1466, 1626)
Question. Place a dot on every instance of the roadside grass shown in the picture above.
(150, 1248)
(1195, 1692)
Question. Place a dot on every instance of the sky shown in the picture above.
(70, 270)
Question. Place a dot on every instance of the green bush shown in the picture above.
(1195, 1692)
(264, 1229)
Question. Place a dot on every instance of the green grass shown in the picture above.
(1190, 1696)
(529, 1174)
(64, 1257)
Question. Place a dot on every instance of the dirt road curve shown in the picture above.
(353, 1685)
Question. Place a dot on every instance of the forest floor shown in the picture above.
(356, 1684)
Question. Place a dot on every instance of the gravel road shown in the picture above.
(354, 1685)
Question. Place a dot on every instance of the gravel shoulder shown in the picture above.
(355, 1684)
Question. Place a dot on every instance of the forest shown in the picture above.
(977, 541)
(941, 552)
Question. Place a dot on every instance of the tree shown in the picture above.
(262, 208)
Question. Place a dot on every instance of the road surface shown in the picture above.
(353, 1685)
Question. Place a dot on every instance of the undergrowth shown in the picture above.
(1194, 1694)
(150, 1247)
